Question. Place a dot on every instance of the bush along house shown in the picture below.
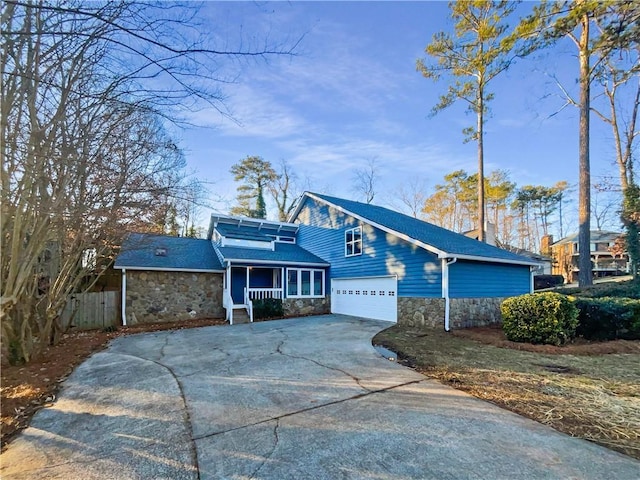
(333, 256)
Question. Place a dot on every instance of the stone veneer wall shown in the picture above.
(463, 312)
(306, 306)
(420, 312)
(170, 296)
(474, 312)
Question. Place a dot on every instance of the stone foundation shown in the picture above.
(474, 312)
(463, 312)
(420, 312)
(294, 307)
(172, 296)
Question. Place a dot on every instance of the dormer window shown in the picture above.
(161, 252)
(353, 242)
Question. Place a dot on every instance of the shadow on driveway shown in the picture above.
(290, 399)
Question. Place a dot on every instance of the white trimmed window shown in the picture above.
(305, 283)
(353, 242)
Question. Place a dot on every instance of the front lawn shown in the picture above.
(576, 389)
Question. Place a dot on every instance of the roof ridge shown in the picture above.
(438, 240)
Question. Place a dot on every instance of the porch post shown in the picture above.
(228, 275)
(247, 281)
(282, 283)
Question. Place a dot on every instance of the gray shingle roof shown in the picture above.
(284, 253)
(596, 236)
(448, 242)
(139, 252)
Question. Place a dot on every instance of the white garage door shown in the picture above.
(371, 297)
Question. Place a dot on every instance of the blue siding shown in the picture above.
(479, 279)
(322, 232)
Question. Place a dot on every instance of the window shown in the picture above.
(305, 282)
(318, 283)
(353, 242)
(305, 278)
(292, 283)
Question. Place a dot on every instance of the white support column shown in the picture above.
(247, 268)
(123, 300)
(282, 284)
(445, 289)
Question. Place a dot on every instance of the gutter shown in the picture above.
(275, 263)
(168, 269)
(445, 289)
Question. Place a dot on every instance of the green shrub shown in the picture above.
(608, 318)
(267, 308)
(627, 289)
(539, 318)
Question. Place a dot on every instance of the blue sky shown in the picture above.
(352, 94)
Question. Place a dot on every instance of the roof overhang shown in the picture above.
(167, 269)
(275, 262)
(254, 222)
(477, 258)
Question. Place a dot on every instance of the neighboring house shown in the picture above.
(489, 234)
(544, 262)
(335, 255)
(603, 261)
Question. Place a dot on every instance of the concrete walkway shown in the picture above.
(295, 399)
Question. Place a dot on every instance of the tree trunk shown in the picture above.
(585, 274)
(481, 232)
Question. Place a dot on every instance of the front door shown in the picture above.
(238, 284)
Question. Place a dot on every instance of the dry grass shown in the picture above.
(592, 396)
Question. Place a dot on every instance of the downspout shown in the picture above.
(123, 300)
(531, 275)
(445, 289)
(228, 291)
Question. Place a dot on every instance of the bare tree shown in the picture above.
(412, 195)
(285, 190)
(85, 89)
(365, 180)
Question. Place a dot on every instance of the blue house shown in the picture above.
(390, 266)
(334, 255)
(242, 260)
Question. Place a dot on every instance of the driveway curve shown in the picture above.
(291, 399)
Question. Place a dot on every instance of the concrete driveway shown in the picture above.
(293, 399)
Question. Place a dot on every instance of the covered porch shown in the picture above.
(246, 283)
(257, 283)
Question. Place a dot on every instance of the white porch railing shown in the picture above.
(262, 293)
(227, 303)
(248, 303)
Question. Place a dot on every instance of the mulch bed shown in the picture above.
(493, 335)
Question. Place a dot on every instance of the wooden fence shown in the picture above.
(91, 310)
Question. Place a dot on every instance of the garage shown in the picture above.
(371, 297)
